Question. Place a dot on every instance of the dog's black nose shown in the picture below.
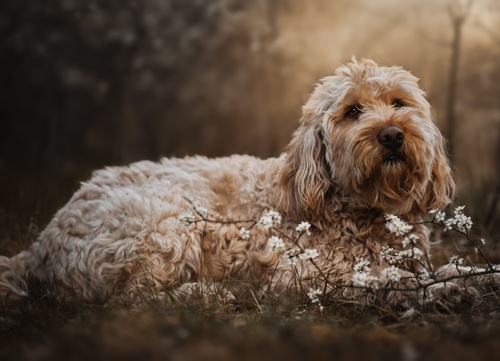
(391, 137)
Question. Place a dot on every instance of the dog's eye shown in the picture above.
(397, 104)
(353, 111)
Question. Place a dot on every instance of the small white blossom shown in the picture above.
(309, 253)
(244, 233)
(396, 225)
(313, 294)
(412, 254)
(386, 254)
(409, 239)
(448, 224)
(439, 216)
(362, 265)
(276, 244)
(270, 219)
(483, 241)
(390, 274)
(187, 219)
(303, 227)
(456, 260)
(394, 258)
(462, 222)
(364, 279)
(362, 276)
(290, 256)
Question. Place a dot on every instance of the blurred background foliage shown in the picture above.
(85, 84)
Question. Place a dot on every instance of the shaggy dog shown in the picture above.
(366, 146)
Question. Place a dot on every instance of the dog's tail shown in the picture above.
(14, 273)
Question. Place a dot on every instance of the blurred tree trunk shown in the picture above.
(458, 14)
(493, 209)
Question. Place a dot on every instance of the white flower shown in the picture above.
(456, 260)
(390, 274)
(187, 219)
(313, 294)
(483, 241)
(460, 221)
(409, 239)
(309, 253)
(276, 244)
(412, 254)
(364, 279)
(362, 265)
(290, 256)
(393, 258)
(396, 225)
(386, 254)
(439, 216)
(244, 233)
(303, 227)
(270, 219)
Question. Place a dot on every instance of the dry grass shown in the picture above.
(45, 331)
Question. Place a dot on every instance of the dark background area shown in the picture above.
(84, 84)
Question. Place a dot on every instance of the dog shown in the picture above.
(366, 147)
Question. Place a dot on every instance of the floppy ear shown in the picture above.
(441, 189)
(304, 179)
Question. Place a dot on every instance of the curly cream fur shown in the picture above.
(119, 237)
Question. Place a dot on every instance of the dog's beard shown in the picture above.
(388, 180)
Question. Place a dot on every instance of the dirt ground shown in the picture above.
(359, 334)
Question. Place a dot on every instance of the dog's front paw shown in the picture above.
(447, 296)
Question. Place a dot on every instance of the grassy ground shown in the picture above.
(52, 332)
(43, 329)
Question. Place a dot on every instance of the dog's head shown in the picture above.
(366, 134)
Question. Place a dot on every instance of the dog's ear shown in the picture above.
(441, 189)
(304, 179)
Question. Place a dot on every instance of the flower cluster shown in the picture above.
(363, 278)
(244, 233)
(394, 258)
(270, 219)
(276, 244)
(409, 239)
(313, 294)
(303, 227)
(187, 219)
(309, 253)
(462, 222)
(390, 274)
(290, 256)
(439, 216)
(400, 228)
(362, 265)
(396, 225)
